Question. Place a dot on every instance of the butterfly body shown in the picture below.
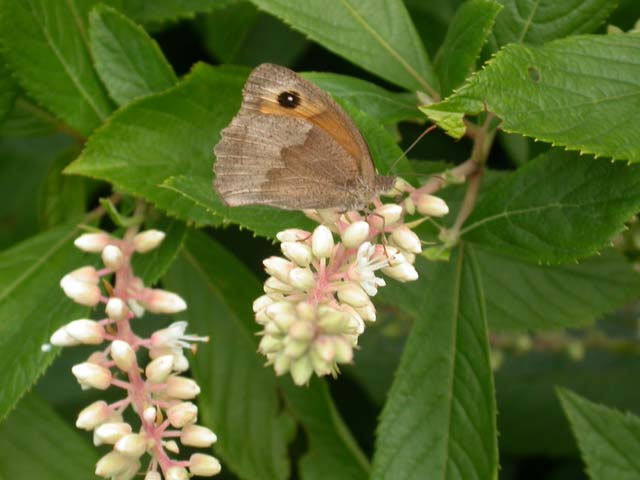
(292, 146)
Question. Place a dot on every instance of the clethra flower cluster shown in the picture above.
(318, 296)
(158, 396)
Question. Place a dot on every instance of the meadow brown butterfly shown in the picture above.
(292, 146)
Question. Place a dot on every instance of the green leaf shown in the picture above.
(164, 135)
(34, 439)
(466, 35)
(8, 90)
(26, 120)
(243, 35)
(376, 102)
(580, 92)
(23, 173)
(166, 10)
(377, 35)
(609, 440)
(62, 198)
(522, 295)
(239, 400)
(440, 414)
(32, 307)
(540, 21)
(128, 61)
(152, 266)
(556, 208)
(332, 451)
(45, 44)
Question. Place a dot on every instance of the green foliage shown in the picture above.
(536, 287)
(607, 438)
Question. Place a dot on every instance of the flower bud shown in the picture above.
(292, 235)
(159, 369)
(147, 240)
(86, 274)
(297, 252)
(161, 301)
(132, 445)
(343, 350)
(92, 375)
(302, 278)
(116, 309)
(301, 370)
(368, 312)
(129, 473)
(182, 388)
(123, 355)
(180, 363)
(171, 445)
(93, 415)
(112, 464)
(302, 330)
(61, 338)
(92, 242)
(391, 213)
(79, 290)
(281, 364)
(197, 436)
(278, 267)
(112, 257)
(353, 295)
(295, 348)
(432, 206)
(204, 465)
(274, 285)
(325, 349)
(261, 303)
(403, 272)
(409, 206)
(182, 414)
(270, 344)
(176, 473)
(152, 476)
(406, 239)
(355, 234)
(322, 242)
(88, 332)
(110, 432)
(150, 414)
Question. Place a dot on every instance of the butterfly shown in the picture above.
(293, 147)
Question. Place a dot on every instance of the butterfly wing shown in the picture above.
(291, 146)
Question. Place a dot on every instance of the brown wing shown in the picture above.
(289, 131)
(282, 161)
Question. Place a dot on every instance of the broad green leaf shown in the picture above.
(609, 440)
(557, 208)
(376, 102)
(27, 120)
(32, 307)
(526, 389)
(580, 93)
(440, 414)
(526, 296)
(23, 172)
(466, 35)
(128, 61)
(432, 20)
(35, 443)
(63, 198)
(152, 266)
(165, 135)
(45, 44)
(239, 400)
(540, 21)
(377, 35)
(332, 451)
(243, 35)
(8, 90)
(166, 10)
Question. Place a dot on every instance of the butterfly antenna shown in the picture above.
(415, 142)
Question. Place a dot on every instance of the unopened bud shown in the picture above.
(343, 350)
(112, 257)
(302, 330)
(204, 465)
(403, 272)
(92, 242)
(301, 370)
(116, 309)
(150, 414)
(161, 301)
(432, 206)
(274, 285)
(93, 415)
(110, 432)
(261, 303)
(92, 375)
(355, 234)
(176, 473)
(132, 445)
(123, 355)
(153, 476)
(172, 446)
(353, 295)
(159, 369)
(182, 414)
(182, 388)
(391, 213)
(322, 242)
(81, 291)
(278, 267)
(297, 252)
(197, 436)
(292, 235)
(147, 240)
(406, 239)
(112, 464)
(302, 278)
